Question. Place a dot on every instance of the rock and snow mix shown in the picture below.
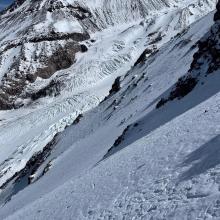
(117, 110)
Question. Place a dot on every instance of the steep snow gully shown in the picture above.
(110, 109)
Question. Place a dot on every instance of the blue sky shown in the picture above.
(5, 3)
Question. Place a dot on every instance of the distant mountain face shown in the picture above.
(36, 34)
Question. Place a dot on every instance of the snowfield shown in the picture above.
(156, 177)
(96, 145)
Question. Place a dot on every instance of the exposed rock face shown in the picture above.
(38, 48)
(12, 87)
(116, 86)
(206, 61)
(217, 14)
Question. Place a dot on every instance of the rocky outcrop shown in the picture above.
(12, 86)
(143, 56)
(217, 14)
(206, 61)
(31, 172)
(116, 86)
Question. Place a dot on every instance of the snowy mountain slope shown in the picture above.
(142, 182)
(162, 151)
(53, 104)
(36, 48)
